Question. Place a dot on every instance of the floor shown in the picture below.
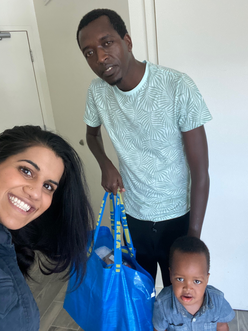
(49, 294)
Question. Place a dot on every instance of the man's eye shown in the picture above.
(108, 43)
(179, 279)
(89, 54)
(26, 171)
(49, 187)
(197, 281)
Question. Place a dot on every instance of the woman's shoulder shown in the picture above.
(18, 309)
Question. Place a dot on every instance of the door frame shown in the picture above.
(39, 71)
(143, 29)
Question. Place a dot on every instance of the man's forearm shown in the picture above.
(199, 198)
(196, 149)
(96, 146)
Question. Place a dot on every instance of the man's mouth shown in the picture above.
(109, 71)
(109, 68)
(19, 203)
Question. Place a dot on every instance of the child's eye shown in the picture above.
(179, 279)
(49, 187)
(197, 282)
(26, 171)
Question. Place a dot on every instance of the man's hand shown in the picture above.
(111, 178)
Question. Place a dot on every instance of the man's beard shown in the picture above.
(116, 82)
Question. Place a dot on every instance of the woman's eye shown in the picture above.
(26, 171)
(179, 279)
(49, 187)
(197, 282)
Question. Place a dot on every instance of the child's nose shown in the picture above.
(187, 285)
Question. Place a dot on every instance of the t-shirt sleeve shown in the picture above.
(226, 312)
(159, 319)
(192, 109)
(91, 116)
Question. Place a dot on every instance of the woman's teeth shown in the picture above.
(20, 204)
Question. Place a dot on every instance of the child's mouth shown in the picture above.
(186, 298)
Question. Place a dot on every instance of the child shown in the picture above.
(189, 303)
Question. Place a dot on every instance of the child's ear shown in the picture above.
(208, 276)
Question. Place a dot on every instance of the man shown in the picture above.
(154, 117)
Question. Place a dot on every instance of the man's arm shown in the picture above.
(111, 178)
(196, 149)
(222, 327)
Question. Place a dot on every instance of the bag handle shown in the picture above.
(98, 223)
(126, 229)
(118, 218)
(123, 222)
(117, 235)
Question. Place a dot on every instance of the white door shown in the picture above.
(208, 40)
(19, 98)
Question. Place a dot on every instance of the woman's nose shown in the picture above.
(34, 191)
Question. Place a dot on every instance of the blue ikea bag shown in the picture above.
(116, 298)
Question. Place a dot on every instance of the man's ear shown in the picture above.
(128, 42)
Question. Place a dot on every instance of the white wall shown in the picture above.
(208, 40)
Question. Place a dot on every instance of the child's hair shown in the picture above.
(191, 245)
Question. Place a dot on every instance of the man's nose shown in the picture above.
(101, 55)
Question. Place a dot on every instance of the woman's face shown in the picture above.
(27, 183)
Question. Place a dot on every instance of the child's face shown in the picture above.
(189, 277)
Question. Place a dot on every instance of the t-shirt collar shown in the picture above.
(179, 308)
(138, 87)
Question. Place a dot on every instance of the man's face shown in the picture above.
(189, 277)
(106, 53)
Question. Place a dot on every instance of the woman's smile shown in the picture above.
(19, 203)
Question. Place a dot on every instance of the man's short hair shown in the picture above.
(115, 19)
(191, 245)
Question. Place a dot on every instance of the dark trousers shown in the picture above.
(153, 240)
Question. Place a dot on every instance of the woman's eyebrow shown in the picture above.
(53, 182)
(32, 163)
(36, 167)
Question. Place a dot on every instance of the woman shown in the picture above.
(43, 207)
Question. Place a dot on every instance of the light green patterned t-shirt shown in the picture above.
(145, 126)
